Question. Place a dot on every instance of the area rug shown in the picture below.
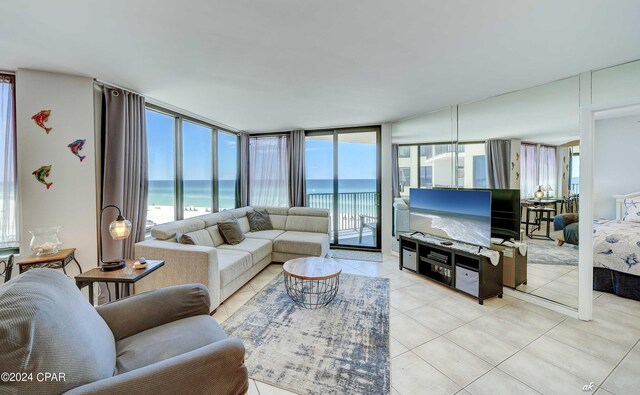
(342, 348)
(549, 253)
(356, 255)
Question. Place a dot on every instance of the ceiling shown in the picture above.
(285, 64)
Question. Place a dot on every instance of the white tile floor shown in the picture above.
(443, 342)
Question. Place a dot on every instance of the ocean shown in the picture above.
(197, 193)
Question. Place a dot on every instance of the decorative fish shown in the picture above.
(631, 260)
(43, 173)
(517, 156)
(638, 244)
(611, 239)
(606, 251)
(513, 165)
(42, 117)
(76, 146)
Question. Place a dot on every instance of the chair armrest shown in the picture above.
(135, 314)
(214, 369)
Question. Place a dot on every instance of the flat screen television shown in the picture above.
(461, 215)
(505, 213)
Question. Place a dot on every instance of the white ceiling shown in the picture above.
(283, 64)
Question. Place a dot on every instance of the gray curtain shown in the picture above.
(124, 168)
(244, 169)
(498, 153)
(395, 182)
(297, 189)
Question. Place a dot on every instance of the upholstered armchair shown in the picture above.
(159, 342)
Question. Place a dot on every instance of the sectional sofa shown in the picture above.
(223, 268)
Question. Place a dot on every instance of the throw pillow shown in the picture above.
(259, 220)
(231, 232)
(184, 239)
(632, 210)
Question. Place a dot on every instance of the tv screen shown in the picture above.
(462, 215)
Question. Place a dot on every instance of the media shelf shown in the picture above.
(472, 274)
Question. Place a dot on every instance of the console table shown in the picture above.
(59, 260)
(462, 270)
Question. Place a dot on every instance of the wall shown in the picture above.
(616, 165)
(71, 200)
(387, 193)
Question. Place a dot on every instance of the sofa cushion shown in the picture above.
(215, 234)
(244, 224)
(168, 231)
(166, 341)
(265, 234)
(308, 224)
(302, 243)
(231, 231)
(309, 212)
(259, 220)
(258, 248)
(48, 326)
(214, 218)
(231, 264)
(200, 238)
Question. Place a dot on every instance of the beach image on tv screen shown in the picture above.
(453, 214)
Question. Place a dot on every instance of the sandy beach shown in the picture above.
(162, 214)
(420, 223)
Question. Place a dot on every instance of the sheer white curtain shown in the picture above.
(528, 170)
(548, 168)
(269, 171)
(8, 231)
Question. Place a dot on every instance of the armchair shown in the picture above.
(159, 342)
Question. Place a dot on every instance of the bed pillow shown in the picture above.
(259, 220)
(231, 232)
(632, 211)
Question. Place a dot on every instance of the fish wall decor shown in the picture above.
(41, 174)
(42, 117)
(76, 146)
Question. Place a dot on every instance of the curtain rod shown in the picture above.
(110, 85)
(8, 72)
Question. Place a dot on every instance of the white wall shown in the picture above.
(433, 127)
(71, 201)
(616, 165)
(616, 83)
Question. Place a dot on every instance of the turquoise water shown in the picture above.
(197, 193)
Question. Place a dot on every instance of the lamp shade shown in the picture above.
(539, 194)
(120, 228)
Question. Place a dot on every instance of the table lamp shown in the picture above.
(539, 194)
(119, 229)
(548, 189)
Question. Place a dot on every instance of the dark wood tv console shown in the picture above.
(470, 273)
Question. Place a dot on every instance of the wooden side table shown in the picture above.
(58, 260)
(126, 275)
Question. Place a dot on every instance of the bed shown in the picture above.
(616, 250)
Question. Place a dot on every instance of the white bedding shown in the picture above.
(616, 246)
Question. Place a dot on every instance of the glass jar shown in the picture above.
(45, 241)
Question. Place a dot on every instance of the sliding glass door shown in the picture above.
(343, 176)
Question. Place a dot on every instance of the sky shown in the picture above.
(457, 201)
(355, 161)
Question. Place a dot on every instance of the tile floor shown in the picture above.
(443, 342)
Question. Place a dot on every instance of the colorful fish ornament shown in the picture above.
(76, 146)
(43, 173)
(42, 117)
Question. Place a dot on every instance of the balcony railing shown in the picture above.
(351, 205)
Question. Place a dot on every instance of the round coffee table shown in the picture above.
(312, 282)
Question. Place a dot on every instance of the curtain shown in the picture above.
(548, 169)
(244, 170)
(395, 181)
(8, 175)
(269, 171)
(528, 170)
(124, 168)
(298, 190)
(498, 154)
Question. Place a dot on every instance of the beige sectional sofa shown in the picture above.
(223, 268)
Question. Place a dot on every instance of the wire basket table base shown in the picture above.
(311, 294)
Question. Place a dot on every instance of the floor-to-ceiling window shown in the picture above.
(8, 207)
(193, 167)
(343, 176)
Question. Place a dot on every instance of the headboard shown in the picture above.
(620, 206)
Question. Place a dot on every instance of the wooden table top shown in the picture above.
(312, 268)
(59, 256)
(125, 275)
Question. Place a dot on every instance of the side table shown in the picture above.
(126, 275)
(58, 260)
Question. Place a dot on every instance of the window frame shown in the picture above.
(178, 157)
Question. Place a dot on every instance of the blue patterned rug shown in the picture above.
(342, 348)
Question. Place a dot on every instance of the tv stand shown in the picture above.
(464, 271)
